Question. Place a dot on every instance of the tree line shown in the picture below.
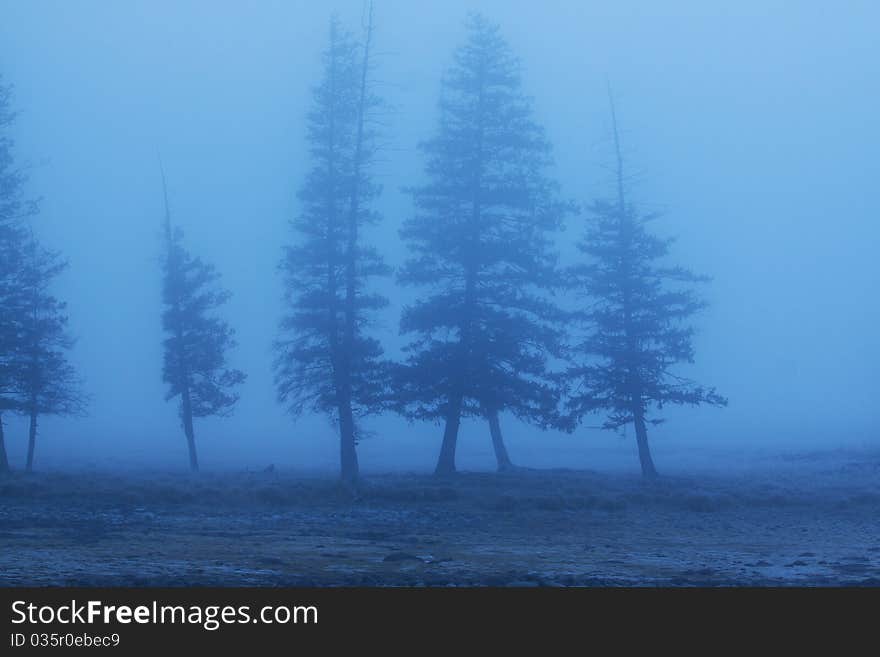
(499, 327)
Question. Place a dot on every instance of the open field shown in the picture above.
(812, 519)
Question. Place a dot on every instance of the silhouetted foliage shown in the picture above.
(635, 311)
(326, 362)
(14, 208)
(48, 384)
(197, 341)
(484, 327)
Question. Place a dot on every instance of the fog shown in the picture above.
(752, 125)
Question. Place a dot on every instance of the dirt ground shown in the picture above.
(807, 520)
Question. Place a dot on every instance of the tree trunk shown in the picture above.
(648, 469)
(501, 456)
(348, 460)
(4, 461)
(446, 461)
(634, 383)
(187, 418)
(32, 441)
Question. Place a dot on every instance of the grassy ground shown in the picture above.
(814, 520)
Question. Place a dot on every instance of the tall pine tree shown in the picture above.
(636, 315)
(197, 341)
(14, 208)
(484, 326)
(48, 383)
(326, 361)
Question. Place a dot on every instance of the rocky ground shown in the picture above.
(808, 520)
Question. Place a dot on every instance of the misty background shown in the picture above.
(752, 125)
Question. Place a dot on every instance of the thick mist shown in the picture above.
(753, 127)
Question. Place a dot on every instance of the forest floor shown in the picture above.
(812, 519)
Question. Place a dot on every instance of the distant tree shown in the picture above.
(326, 361)
(48, 384)
(636, 311)
(197, 341)
(14, 208)
(485, 325)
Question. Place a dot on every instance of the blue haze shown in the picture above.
(753, 126)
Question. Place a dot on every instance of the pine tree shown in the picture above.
(197, 341)
(636, 314)
(485, 325)
(48, 383)
(326, 361)
(14, 209)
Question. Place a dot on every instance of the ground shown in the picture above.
(813, 519)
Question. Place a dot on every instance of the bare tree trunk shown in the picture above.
(187, 417)
(32, 441)
(501, 456)
(4, 460)
(446, 461)
(348, 459)
(648, 469)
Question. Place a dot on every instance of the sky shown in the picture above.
(753, 126)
